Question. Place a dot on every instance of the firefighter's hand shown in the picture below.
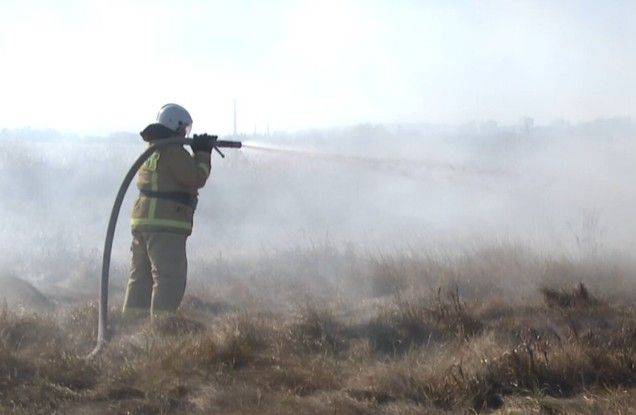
(202, 142)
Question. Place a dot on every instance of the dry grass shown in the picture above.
(403, 348)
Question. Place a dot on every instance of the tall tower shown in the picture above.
(234, 116)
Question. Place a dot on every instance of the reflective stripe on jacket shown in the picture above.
(171, 169)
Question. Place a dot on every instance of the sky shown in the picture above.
(98, 67)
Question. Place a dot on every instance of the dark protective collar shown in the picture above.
(156, 132)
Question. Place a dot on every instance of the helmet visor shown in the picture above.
(188, 128)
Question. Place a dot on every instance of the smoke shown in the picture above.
(558, 188)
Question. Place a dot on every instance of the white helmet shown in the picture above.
(176, 118)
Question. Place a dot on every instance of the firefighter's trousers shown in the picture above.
(158, 273)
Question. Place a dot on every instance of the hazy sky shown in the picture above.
(103, 66)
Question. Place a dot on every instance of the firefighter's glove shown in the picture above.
(203, 142)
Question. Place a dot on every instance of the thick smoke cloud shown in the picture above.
(564, 188)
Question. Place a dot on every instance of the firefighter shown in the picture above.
(161, 222)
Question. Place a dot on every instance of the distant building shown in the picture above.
(527, 124)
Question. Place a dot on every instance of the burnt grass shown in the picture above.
(432, 342)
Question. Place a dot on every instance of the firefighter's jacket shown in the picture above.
(168, 183)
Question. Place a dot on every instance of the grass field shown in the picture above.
(501, 330)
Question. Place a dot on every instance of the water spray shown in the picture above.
(399, 165)
(102, 327)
